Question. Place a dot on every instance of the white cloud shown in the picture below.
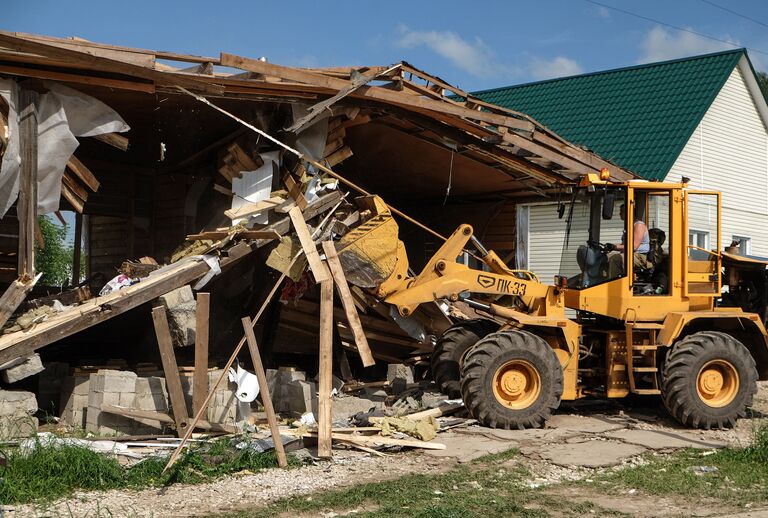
(474, 57)
(557, 67)
(478, 59)
(661, 44)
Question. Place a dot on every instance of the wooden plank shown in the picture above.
(76, 203)
(200, 379)
(164, 418)
(258, 367)
(223, 190)
(245, 234)
(82, 172)
(325, 371)
(78, 78)
(13, 42)
(115, 140)
(171, 369)
(310, 249)
(12, 298)
(338, 156)
(294, 189)
(74, 185)
(251, 209)
(371, 92)
(372, 440)
(337, 272)
(27, 204)
(77, 249)
(244, 159)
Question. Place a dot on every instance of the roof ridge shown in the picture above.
(740, 50)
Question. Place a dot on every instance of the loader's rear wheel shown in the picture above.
(450, 350)
(708, 380)
(511, 379)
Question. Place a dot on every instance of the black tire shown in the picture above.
(684, 365)
(448, 355)
(490, 356)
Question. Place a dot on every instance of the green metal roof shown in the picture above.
(637, 117)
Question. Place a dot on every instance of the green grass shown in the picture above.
(50, 472)
(740, 475)
(492, 486)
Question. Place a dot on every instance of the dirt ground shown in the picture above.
(582, 440)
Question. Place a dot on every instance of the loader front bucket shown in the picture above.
(368, 253)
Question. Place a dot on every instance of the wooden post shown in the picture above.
(77, 250)
(258, 367)
(325, 371)
(200, 384)
(348, 303)
(171, 369)
(319, 271)
(27, 206)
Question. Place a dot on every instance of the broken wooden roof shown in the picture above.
(413, 120)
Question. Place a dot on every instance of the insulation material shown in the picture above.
(63, 114)
(255, 185)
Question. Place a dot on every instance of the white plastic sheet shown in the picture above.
(63, 114)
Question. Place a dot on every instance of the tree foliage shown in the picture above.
(54, 259)
(762, 80)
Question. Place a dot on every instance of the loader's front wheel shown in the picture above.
(511, 380)
(446, 359)
(708, 380)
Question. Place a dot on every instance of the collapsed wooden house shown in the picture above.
(428, 148)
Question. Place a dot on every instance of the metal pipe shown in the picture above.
(480, 248)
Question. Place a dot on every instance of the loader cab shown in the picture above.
(627, 247)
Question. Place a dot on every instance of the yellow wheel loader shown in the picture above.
(638, 307)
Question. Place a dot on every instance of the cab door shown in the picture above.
(701, 263)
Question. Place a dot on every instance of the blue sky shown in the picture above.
(475, 46)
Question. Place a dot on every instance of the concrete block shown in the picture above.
(29, 367)
(301, 397)
(96, 399)
(181, 306)
(74, 400)
(17, 403)
(106, 380)
(17, 427)
(278, 381)
(398, 370)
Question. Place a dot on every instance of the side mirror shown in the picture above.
(608, 201)
(560, 210)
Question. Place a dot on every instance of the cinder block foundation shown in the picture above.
(16, 409)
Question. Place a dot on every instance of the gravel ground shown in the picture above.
(237, 492)
(349, 468)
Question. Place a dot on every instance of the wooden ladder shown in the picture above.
(646, 352)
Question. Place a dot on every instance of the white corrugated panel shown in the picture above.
(546, 235)
(546, 239)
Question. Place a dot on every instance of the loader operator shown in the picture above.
(641, 246)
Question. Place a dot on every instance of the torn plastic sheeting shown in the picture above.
(63, 114)
(247, 384)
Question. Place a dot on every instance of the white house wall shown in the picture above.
(728, 152)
